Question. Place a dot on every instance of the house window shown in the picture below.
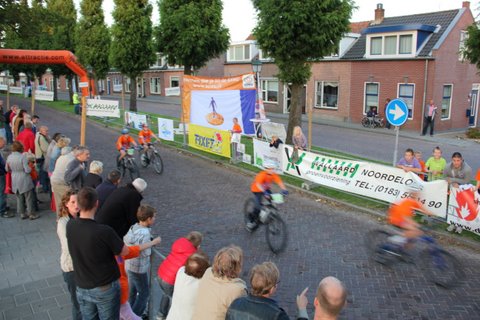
(390, 45)
(461, 47)
(270, 91)
(446, 100)
(50, 81)
(59, 86)
(371, 96)
(127, 84)
(239, 53)
(174, 82)
(407, 93)
(326, 95)
(405, 45)
(155, 85)
(116, 81)
(376, 46)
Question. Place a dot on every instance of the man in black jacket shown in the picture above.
(106, 188)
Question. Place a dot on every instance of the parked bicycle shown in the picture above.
(275, 228)
(373, 122)
(128, 164)
(151, 156)
(438, 266)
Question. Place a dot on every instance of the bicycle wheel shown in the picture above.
(276, 233)
(133, 170)
(144, 159)
(441, 268)
(157, 163)
(248, 209)
(375, 241)
(365, 122)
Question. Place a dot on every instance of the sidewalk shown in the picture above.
(31, 283)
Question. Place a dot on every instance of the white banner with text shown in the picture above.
(165, 129)
(43, 95)
(135, 120)
(263, 152)
(103, 108)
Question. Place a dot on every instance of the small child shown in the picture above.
(138, 268)
(236, 127)
(276, 141)
(418, 156)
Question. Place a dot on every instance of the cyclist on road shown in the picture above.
(145, 137)
(401, 214)
(124, 142)
(261, 188)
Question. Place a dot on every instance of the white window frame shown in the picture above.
(388, 56)
(231, 52)
(50, 82)
(59, 86)
(321, 106)
(127, 84)
(155, 83)
(174, 78)
(450, 104)
(461, 45)
(364, 111)
(264, 87)
(413, 97)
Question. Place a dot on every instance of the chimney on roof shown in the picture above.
(466, 4)
(379, 13)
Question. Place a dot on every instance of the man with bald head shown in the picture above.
(330, 299)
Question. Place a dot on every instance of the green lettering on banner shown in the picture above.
(325, 165)
(355, 169)
(339, 170)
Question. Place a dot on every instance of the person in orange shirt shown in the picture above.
(401, 214)
(123, 143)
(145, 138)
(236, 127)
(261, 188)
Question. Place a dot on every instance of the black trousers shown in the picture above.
(429, 122)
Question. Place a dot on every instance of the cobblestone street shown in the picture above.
(196, 194)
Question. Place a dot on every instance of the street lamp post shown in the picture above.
(257, 68)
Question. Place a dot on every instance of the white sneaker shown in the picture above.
(250, 226)
(459, 230)
(451, 228)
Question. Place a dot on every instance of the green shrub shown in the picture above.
(473, 133)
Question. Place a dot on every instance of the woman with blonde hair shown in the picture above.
(298, 139)
(68, 209)
(220, 285)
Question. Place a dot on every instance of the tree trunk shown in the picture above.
(187, 70)
(133, 94)
(75, 77)
(55, 90)
(295, 116)
(70, 89)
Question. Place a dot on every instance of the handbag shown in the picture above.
(8, 183)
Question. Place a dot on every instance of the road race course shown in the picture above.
(195, 194)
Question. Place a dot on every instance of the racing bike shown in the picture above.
(151, 156)
(128, 164)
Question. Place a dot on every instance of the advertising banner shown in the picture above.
(214, 102)
(43, 95)
(135, 120)
(210, 140)
(363, 178)
(16, 90)
(464, 209)
(103, 108)
(175, 91)
(3, 87)
(117, 87)
(263, 152)
(165, 129)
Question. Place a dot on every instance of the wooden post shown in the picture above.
(123, 94)
(33, 99)
(83, 125)
(8, 96)
(310, 116)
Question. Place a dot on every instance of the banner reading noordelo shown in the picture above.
(364, 178)
(209, 140)
(103, 108)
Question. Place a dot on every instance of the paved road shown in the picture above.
(197, 194)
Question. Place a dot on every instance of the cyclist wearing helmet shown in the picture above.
(123, 143)
(145, 137)
(261, 188)
(401, 213)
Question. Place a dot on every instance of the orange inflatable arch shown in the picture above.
(17, 56)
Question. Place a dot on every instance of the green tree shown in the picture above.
(472, 43)
(62, 25)
(132, 51)
(93, 39)
(296, 32)
(191, 32)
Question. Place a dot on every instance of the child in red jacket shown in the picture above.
(167, 271)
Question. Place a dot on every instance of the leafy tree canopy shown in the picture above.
(472, 45)
(191, 32)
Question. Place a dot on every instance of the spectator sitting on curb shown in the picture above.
(264, 279)
(408, 163)
(330, 299)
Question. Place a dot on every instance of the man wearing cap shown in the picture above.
(119, 210)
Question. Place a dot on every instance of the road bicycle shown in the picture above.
(437, 265)
(373, 122)
(151, 156)
(128, 164)
(275, 228)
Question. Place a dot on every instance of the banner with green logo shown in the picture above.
(365, 178)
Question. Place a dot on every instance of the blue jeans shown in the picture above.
(72, 288)
(138, 294)
(8, 132)
(167, 293)
(3, 196)
(100, 303)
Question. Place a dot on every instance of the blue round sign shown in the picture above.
(396, 112)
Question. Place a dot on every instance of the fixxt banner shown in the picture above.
(209, 140)
(214, 102)
(364, 178)
(464, 209)
(103, 108)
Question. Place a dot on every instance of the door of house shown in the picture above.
(287, 98)
(109, 83)
(472, 120)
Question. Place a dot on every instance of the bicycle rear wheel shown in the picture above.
(276, 233)
(375, 242)
(157, 163)
(248, 210)
(133, 170)
(365, 122)
(441, 268)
